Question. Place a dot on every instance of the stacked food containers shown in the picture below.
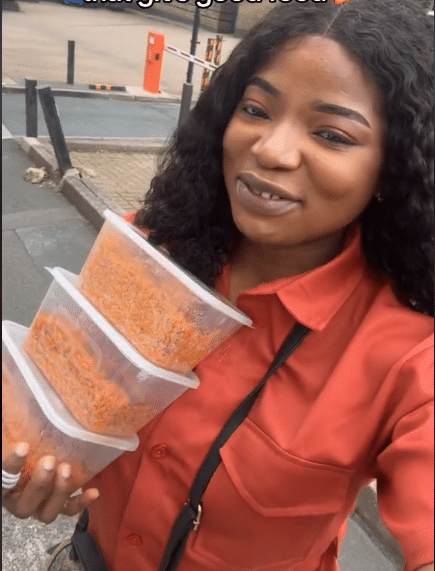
(107, 351)
(32, 412)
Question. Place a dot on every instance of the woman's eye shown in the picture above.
(254, 111)
(334, 138)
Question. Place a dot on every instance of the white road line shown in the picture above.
(6, 134)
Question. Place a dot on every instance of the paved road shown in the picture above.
(96, 117)
(110, 46)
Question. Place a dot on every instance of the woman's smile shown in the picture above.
(264, 198)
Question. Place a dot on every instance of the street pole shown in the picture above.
(186, 96)
(31, 108)
(54, 128)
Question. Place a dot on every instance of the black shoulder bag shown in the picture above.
(81, 552)
(190, 517)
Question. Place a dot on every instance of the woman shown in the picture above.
(301, 188)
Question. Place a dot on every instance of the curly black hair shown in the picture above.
(187, 208)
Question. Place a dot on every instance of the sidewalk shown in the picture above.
(122, 175)
(111, 173)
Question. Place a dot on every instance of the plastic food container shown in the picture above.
(33, 413)
(169, 316)
(105, 383)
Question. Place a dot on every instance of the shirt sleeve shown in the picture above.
(405, 468)
(129, 217)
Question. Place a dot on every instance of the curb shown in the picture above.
(91, 94)
(133, 144)
(91, 202)
(86, 196)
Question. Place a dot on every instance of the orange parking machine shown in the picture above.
(153, 62)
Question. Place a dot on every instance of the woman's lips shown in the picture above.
(261, 202)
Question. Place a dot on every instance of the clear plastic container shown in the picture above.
(32, 412)
(171, 318)
(105, 383)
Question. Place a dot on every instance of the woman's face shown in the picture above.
(303, 151)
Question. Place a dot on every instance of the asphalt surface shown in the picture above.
(40, 228)
(96, 117)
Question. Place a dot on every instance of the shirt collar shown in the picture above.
(313, 297)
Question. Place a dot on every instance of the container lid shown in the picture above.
(67, 281)
(13, 336)
(201, 290)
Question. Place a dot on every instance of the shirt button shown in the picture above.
(134, 539)
(159, 451)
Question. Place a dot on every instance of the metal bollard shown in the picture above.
(70, 62)
(54, 129)
(31, 108)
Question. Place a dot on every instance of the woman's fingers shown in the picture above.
(14, 463)
(47, 494)
(77, 504)
(51, 508)
(36, 491)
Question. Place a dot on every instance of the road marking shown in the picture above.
(6, 134)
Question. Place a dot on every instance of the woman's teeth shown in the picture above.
(266, 195)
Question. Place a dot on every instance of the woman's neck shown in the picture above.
(252, 263)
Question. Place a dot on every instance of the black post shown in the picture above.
(54, 129)
(70, 63)
(193, 42)
(31, 108)
(186, 96)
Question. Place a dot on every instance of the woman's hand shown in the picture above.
(47, 493)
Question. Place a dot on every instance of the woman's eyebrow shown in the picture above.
(321, 106)
(332, 109)
(264, 85)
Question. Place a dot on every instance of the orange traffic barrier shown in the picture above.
(153, 62)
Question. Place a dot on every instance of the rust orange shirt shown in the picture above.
(354, 402)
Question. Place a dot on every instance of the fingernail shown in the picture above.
(65, 470)
(93, 494)
(22, 449)
(49, 463)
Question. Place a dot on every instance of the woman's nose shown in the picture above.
(278, 148)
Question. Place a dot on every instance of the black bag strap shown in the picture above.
(85, 547)
(190, 517)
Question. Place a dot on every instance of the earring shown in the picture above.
(378, 196)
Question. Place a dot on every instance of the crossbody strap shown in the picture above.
(190, 516)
